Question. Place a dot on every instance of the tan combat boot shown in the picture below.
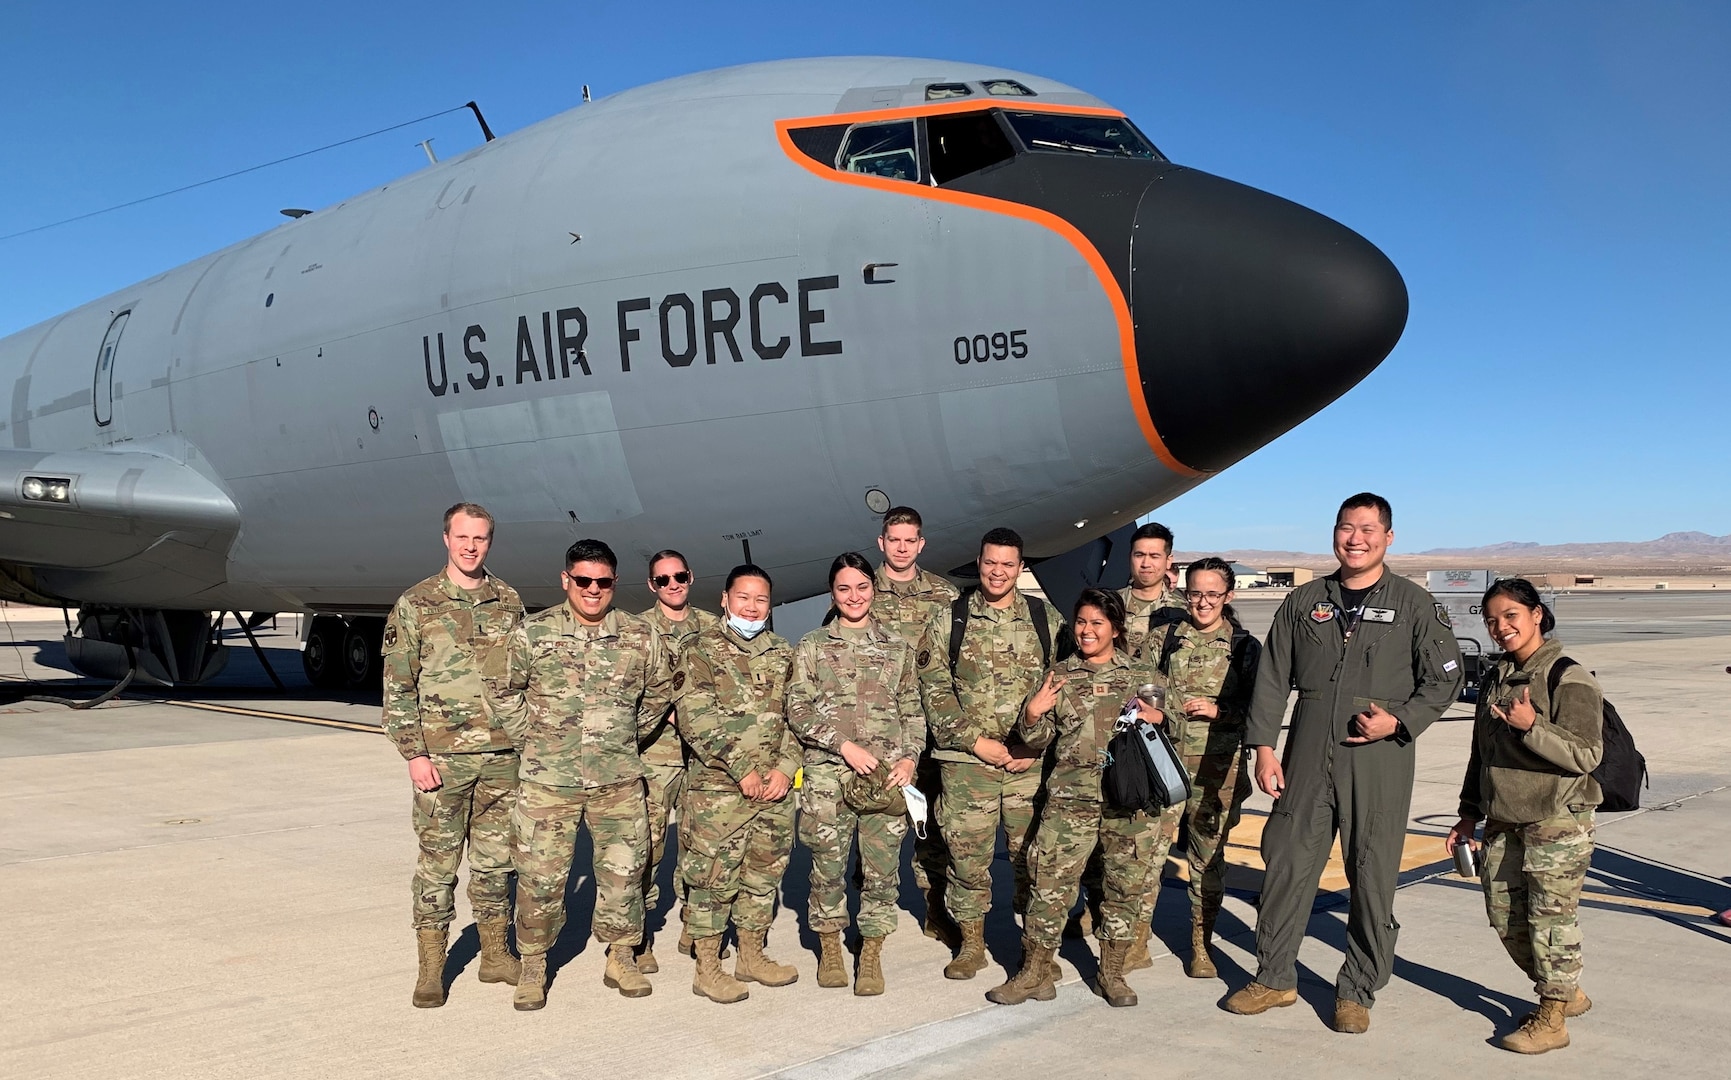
(938, 925)
(685, 941)
(754, 965)
(711, 981)
(1579, 1005)
(1110, 983)
(1034, 982)
(831, 961)
(1256, 998)
(1350, 1018)
(646, 962)
(622, 974)
(868, 981)
(430, 978)
(531, 984)
(971, 960)
(1136, 950)
(1543, 1031)
(1201, 965)
(497, 963)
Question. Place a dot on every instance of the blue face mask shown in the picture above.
(744, 629)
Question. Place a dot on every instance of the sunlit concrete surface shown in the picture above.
(199, 893)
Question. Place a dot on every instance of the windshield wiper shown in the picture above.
(1065, 145)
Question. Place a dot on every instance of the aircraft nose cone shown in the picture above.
(1251, 312)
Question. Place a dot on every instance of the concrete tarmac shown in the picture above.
(197, 893)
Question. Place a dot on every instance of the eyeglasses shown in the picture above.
(1211, 597)
(660, 580)
(583, 581)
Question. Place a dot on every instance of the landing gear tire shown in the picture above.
(362, 644)
(322, 657)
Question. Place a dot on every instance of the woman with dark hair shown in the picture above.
(853, 700)
(1536, 740)
(1208, 665)
(1077, 707)
(736, 820)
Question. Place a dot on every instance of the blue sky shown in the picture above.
(1553, 179)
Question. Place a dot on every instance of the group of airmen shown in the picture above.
(915, 707)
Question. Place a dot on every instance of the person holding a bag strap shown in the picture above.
(1537, 737)
(1208, 663)
(1075, 710)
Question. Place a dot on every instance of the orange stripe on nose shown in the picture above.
(1114, 294)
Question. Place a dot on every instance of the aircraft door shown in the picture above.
(102, 392)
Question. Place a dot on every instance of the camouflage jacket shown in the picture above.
(858, 686)
(1201, 664)
(1526, 776)
(1081, 723)
(440, 642)
(1000, 664)
(906, 608)
(733, 710)
(662, 746)
(1169, 608)
(576, 699)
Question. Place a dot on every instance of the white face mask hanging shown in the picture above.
(916, 800)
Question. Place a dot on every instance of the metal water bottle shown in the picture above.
(1466, 861)
(1155, 696)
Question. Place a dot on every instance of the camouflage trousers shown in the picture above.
(546, 822)
(1532, 876)
(732, 854)
(1219, 784)
(472, 806)
(1070, 830)
(977, 798)
(666, 786)
(827, 826)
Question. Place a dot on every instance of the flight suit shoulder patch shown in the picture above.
(1324, 611)
(1442, 616)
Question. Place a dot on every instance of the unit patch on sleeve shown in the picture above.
(1442, 616)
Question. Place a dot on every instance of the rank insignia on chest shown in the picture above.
(1322, 612)
(1102, 689)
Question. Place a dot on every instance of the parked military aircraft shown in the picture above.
(740, 313)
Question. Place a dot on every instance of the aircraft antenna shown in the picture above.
(479, 119)
(585, 91)
(248, 169)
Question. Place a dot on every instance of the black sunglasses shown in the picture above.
(583, 581)
(660, 580)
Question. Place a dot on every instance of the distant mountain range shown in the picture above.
(1673, 551)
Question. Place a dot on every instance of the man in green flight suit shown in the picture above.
(1375, 663)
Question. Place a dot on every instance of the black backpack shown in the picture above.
(1036, 612)
(1622, 770)
(1144, 771)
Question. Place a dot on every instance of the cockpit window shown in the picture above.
(944, 91)
(1100, 136)
(962, 143)
(1006, 88)
(886, 150)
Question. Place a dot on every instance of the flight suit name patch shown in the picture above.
(1379, 614)
(1322, 612)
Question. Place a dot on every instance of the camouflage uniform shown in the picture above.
(1200, 665)
(1076, 819)
(1536, 795)
(576, 700)
(1169, 608)
(999, 665)
(908, 609)
(734, 850)
(664, 753)
(860, 686)
(440, 642)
